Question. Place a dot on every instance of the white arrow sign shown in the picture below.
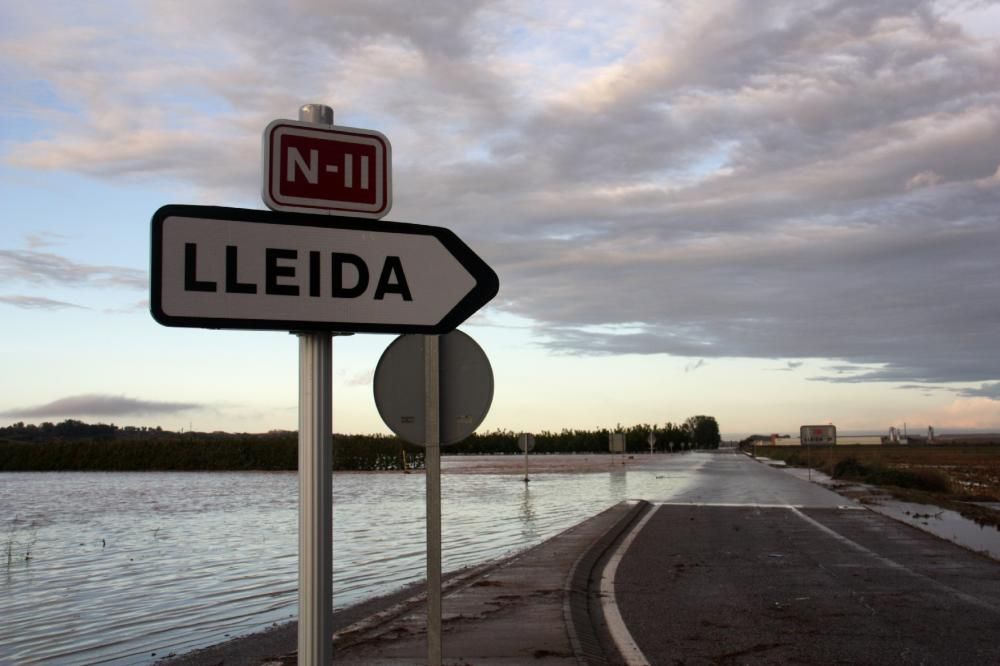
(218, 267)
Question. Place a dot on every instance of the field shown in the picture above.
(951, 475)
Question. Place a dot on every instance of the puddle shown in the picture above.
(940, 522)
(943, 523)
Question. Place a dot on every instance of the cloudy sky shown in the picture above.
(775, 213)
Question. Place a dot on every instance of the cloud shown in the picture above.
(37, 303)
(44, 239)
(691, 367)
(361, 379)
(990, 390)
(741, 179)
(141, 305)
(47, 268)
(923, 179)
(100, 405)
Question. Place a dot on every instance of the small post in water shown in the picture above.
(527, 443)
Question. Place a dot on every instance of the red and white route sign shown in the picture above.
(326, 169)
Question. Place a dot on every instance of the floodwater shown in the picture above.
(126, 568)
(946, 524)
(949, 525)
(130, 567)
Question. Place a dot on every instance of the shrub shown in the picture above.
(929, 480)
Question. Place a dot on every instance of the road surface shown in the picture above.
(751, 565)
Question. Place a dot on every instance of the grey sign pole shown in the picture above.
(432, 460)
(526, 441)
(526, 479)
(315, 480)
(433, 390)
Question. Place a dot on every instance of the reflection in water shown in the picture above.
(946, 524)
(125, 565)
(618, 482)
(529, 530)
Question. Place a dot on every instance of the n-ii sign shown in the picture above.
(215, 267)
(326, 169)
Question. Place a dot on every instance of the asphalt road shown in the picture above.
(751, 565)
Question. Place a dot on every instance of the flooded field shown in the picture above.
(126, 568)
(129, 567)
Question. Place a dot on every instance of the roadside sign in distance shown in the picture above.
(326, 169)
(215, 267)
(817, 434)
(465, 385)
(526, 442)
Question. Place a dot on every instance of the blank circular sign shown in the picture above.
(466, 387)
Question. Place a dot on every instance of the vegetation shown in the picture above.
(970, 471)
(930, 480)
(698, 432)
(74, 445)
(947, 475)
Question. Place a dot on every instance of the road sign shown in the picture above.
(526, 442)
(465, 386)
(326, 169)
(616, 442)
(818, 434)
(216, 267)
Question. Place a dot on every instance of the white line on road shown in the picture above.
(758, 505)
(616, 625)
(968, 598)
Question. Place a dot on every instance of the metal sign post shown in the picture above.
(315, 500)
(320, 275)
(526, 480)
(315, 479)
(526, 442)
(433, 391)
(432, 458)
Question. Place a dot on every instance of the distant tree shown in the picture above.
(704, 432)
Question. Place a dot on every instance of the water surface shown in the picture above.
(129, 567)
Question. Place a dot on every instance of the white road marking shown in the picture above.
(968, 598)
(755, 505)
(616, 625)
(758, 505)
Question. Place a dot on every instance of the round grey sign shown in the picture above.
(466, 387)
(526, 442)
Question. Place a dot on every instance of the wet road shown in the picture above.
(733, 478)
(751, 565)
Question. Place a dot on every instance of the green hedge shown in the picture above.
(74, 445)
(251, 453)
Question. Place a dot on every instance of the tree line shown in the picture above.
(74, 445)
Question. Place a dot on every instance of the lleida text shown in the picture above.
(285, 272)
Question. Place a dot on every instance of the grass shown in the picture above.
(950, 476)
(928, 480)
(18, 541)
